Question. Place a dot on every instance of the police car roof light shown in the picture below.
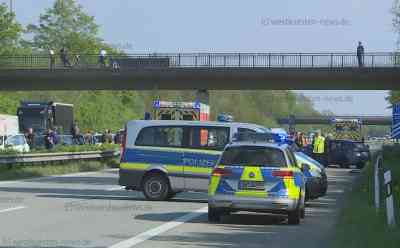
(254, 137)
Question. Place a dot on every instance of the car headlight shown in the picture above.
(358, 154)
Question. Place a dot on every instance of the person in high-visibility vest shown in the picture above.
(319, 148)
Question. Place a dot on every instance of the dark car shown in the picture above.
(348, 152)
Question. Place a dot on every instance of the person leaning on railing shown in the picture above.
(52, 59)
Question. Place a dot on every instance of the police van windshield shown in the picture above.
(253, 156)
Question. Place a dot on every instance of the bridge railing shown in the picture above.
(205, 60)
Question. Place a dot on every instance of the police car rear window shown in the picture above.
(253, 156)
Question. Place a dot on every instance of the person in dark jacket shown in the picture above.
(49, 140)
(64, 57)
(30, 138)
(360, 54)
(76, 134)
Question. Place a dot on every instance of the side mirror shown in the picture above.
(305, 167)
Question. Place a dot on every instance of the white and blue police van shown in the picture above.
(164, 157)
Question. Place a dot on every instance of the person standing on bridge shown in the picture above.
(102, 58)
(360, 54)
(52, 59)
(64, 57)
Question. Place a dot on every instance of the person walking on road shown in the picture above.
(102, 58)
(52, 59)
(108, 138)
(300, 140)
(49, 140)
(360, 54)
(76, 134)
(30, 138)
(319, 148)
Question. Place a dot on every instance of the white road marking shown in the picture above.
(160, 229)
(12, 209)
(115, 188)
(8, 182)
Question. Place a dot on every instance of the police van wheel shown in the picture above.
(156, 187)
(303, 213)
(360, 165)
(294, 216)
(214, 214)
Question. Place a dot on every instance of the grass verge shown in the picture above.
(359, 225)
(31, 171)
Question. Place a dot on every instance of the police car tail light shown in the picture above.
(123, 143)
(221, 172)
(282, 173)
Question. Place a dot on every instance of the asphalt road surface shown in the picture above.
(90, 210)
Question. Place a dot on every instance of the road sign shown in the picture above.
(396, 121)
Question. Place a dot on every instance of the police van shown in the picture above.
(164, 157)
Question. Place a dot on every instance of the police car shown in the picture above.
(314, 173)
(257, 175)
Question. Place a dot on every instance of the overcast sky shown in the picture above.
(246, 26)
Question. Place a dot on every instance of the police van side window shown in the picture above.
(160, 136)
(209, 138)
(246, 130)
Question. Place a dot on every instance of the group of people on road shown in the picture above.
(318, 145)
(65, 59)
(49, 139)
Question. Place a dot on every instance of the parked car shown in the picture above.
(347, 152)
(15, 142)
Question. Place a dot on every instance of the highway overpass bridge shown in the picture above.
(204, 71)
(326, 120)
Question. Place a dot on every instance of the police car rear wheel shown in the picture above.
(214, 214)
(294, 216)
(156, 187)
(303, 213)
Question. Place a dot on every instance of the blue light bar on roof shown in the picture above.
(255, 137)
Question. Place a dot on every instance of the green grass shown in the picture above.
(30, 171)
(359, 224)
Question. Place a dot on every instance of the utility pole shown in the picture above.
(11, 6)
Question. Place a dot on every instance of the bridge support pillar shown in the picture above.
(203, 96)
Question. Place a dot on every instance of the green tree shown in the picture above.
(66, 25)
(10, 32)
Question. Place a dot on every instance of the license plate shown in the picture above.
(251, 185)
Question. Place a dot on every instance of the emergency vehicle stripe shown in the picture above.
(251, 193)
(214, 183)
(248, 170)
(169, 168)
(292, 189)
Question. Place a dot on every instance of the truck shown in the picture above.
(41, 116)
(347, 129)
(10, 138)
(188, 111)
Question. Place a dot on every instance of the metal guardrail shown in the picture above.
(53, 157)
(205, 60)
